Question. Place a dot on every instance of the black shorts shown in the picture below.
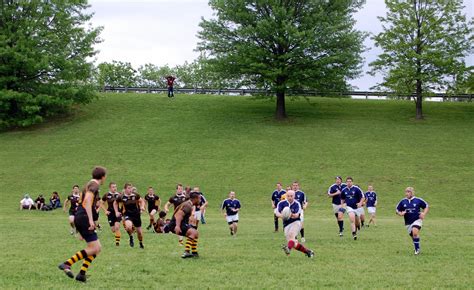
(135, 219)
(72, 212)
(112, 218)
(171, 226)
(150, 209)
(81, 221)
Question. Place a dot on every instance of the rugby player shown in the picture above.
(178, 198)
(133, 206)
(200, 208)
(84, 222)
(409, 208)
(73, 201)
(113, 216)
(371, 204)
(353, 198)
(276, 197)
(300, 196)
(153, 202)
(230, 208)
(180, 226)
(334, 192)
(292, 225)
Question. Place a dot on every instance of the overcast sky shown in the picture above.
(164, 31)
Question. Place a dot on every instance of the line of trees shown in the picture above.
(189, 75)
(46, 49)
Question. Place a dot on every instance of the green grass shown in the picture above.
(227, 143)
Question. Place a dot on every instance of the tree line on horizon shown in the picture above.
(46, 50)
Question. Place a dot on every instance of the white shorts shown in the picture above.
(360, 211)
(336, 208)
(197, 215)
(350, 209)
(415, 223)
(292, 230)
(232, 218)
(371, 209)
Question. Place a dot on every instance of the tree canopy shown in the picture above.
(424, 43)
(45, 48)
(284, 44)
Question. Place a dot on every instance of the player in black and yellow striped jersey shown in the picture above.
(133, 206)
(153, 202)
(112, 215)
(180, 225)
(84, 222)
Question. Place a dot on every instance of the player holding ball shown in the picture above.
(291, 224)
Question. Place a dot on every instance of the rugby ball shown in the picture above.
(286, 213)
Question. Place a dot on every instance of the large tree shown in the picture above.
(424, 43)
(284, 44)
(45, 48)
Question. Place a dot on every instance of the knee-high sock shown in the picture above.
(77, 257)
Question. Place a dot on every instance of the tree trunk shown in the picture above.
(419, 100)
(280, 113)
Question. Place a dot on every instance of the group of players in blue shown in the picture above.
(349, 199)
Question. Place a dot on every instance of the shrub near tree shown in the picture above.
(44, 51)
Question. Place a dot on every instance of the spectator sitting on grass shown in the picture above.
(27, 203)
(55, 200)
(40, 203)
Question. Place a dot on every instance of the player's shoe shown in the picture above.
(341, 234)
(186, 255)
(231, 232)
(286, 249)
(72, 232)
(303, 239)
(81, 278)
(132, 244)
(141, 246)
(417, 252)
(66, 269)
(354, 237)
(310, 253)
(196, 255)
(148, 227)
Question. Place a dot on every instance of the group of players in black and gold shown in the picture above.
(189, 206)
(126, 207)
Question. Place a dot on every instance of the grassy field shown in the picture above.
(227, 143)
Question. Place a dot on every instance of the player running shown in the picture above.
(334, 192)
(292, 225)
(133, 206)
(409, 208)
(153, 202)
(201, 207)
(180, 225)
(371, 197)
(178, 198)
(113, 216)
(84, 222)
(353, 198)
(230, 208)
(300, 196)
(276, 197)
(73, 201)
